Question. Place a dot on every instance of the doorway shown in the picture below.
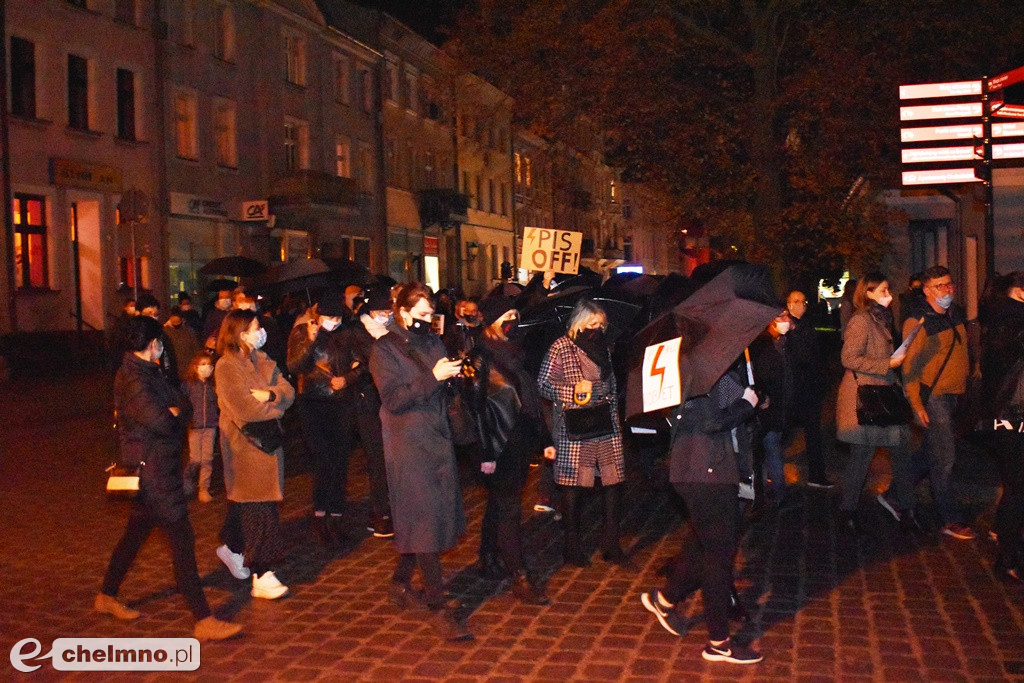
(84, 221)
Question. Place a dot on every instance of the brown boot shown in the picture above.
(212, 628)
(108, 605)
(528, 592)
(447, 627)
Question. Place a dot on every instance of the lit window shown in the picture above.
(529, 172)
(30, 267)
(224, 132)
(185, 115)
(341, 158)
(296, 145)
(341, 83)
(294, 59)
(519, 167)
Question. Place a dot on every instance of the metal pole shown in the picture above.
(5, 175)
(989, 199)
(77, 266)
(135, 270)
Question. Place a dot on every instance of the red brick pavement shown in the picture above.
(825, 607)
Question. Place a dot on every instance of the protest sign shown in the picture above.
(662, 387)
(556, 250)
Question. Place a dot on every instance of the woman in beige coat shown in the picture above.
(250, 389)
(867, 357)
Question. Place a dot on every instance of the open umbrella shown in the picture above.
(716, 323)
(298, 275)
(220, 284)
(238, 266)
(512, 289)
(554, 311)
(347, 272)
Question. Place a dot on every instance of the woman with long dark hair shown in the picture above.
(252, 395)
(867, 356)
(409, 367)
(577, 376)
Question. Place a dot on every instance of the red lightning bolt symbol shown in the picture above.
(658, 371)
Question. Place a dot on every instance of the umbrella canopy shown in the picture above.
(238, 266)
(584, 278)
(554, 311)
(220, 284)
(716, 323)
(297, 275)
(512, 289)
(347, 272)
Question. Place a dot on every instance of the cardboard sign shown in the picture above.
(546, 249)
(662, 386)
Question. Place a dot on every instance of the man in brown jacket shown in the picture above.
(935, 374)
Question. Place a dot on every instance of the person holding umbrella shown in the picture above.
(577, 377)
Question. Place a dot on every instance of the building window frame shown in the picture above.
(126, 116)
(23, 77)
(342, 79)
(224, 37)
(31, 251)
(294, 48)
(342, 156)
(186, 124)
(225, 132)
(296, 144)
(78, 92)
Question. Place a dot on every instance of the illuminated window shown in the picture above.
(185, 128)
(341, 82)
(528, 173)
(341, 158)
(294, 59)
(519, 167)
(224, 132)
(224, 32)
(30, 267)
(296, 145)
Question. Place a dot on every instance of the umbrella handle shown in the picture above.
(750, 367)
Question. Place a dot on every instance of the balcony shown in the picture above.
(442, 207)
(315, 187)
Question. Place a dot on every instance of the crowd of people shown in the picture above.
(370, 367)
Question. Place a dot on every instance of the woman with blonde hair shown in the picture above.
(867, 356)
(577, 376)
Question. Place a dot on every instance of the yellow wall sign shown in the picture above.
(89, 176)
(546, 249)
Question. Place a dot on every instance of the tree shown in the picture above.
(767, 120)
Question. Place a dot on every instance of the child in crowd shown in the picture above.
(201, 433)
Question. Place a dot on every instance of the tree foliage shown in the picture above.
(769, 121)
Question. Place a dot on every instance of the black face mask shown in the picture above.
(591, 339)
(420, 327)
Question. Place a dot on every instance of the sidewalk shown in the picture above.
(824, 607)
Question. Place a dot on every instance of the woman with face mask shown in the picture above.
(251, 391)
(577, 376)
(411, 371)
(868, 359)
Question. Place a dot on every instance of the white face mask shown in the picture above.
(158, 351)
(255, 339)
(885, 301)
(782, 327)
(382, 318)
(224, 304)
(330, 325)
(204, 371)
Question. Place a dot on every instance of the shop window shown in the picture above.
(30, 253)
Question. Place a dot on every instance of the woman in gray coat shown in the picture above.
(250, 389)
(410, 369)
(867, 357)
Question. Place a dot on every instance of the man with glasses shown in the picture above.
(807, 362)
(935, 374)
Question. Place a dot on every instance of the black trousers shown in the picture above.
(366, 423)
(808, 417)
(500, 531)
(328, 433)
(430, 566)
(708, 552)
(254, 529)
(141, 523)
(572, 504)
(1008, 449)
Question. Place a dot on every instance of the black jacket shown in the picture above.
(331, 354)
(1002, 359)
(148, 433)
(773, 377)
(807, 365)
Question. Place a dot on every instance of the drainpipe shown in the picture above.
(381, 178)
(5, 172)
(159, 203)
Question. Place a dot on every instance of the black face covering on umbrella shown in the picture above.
(594, 343)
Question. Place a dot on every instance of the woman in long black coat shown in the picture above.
(410, 369)
(506, 406)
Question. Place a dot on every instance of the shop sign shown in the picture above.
(89, 176)
(196, 206)
(257, 210)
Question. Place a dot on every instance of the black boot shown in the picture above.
(573, 551)
(528, 592)
(492, 567)
(322, 531)
(737, 612)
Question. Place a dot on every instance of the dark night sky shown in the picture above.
(426, 17)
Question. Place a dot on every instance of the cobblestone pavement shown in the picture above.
(824, 607)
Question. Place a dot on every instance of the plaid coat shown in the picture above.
(578, 462)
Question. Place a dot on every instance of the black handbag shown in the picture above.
(882, 405)
(266, 435)
(591, 422)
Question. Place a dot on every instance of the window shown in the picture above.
(465, 183)
(412, 103)
(479, 194)
(356, 249)
(294, 59)
(296, 145)
(367, 178)
(430, 171)
(224, 133)
(185, 126)
(504, 200)
(125, 104)
(518, 162)
(30, 268)
(128, 273)
(188, 22)
(341, 83)
(411, 176)
(391, 81)
(529, 171)
(224, 32)
(611, 192)
(124, 11)
(492, 250)
(23, 78)
(78, 92)
(491, 203)
(341, 157)
(366, 83)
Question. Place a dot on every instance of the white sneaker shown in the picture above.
(235, 562)
(267, 587)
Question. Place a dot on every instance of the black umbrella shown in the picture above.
(347, 272)
(512, 289)
(298, 275)
(585, 277)
(220, 284)
(554, 311)
(716, 323)
(239, 266)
